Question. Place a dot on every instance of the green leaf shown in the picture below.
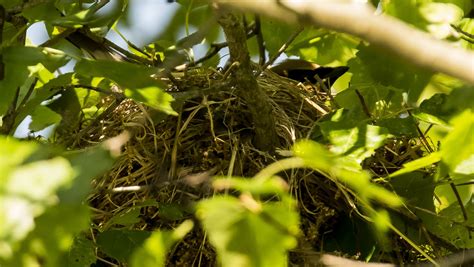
(54, 234)
(352, 138)
(10, 3)
(446, 197)
(43, 11)
(38, 181)
(171, 211)
(252, 186)
(127, 217)
(153, 97)
(136, 81)
(406, 10)
(417, 164)
(457, 149)
(330, 48)
(87, 164)
(382, 102)
(43, 117)
(467, 25)
(249, 238)
(13, 153)
(416, 188)
(440, 16)
(120, 244)
(17, 60)
(440, 108)
(450, 225)
(318, 158)
(82, 252)
(154, 249)
(125, 74)
(400, 126)
(441, 13)
(372, 68)
(276, 34)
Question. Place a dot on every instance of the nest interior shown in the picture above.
(170, 161)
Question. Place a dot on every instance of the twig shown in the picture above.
(127, 53)
(29, 93)
(282, 49)
(458, 198)
(327, 90)
(260, 41)
(364, 105)
(424, 141)
(361, 20)
(215, 48)
(468, 35)
(84, 86)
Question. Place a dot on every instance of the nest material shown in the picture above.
(171, 160)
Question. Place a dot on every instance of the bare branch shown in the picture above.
(402, 40)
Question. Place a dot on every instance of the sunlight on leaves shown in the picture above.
(154, 250)
(454, 152)
(320, 159)
(243, 237)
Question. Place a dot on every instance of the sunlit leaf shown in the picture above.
(253, 186)
(135, 79)
(457, 150)
(154, 249)
(246, 238)
(318, 158)
(417, 164)
(352, 138)
(17, 59)
(445, 195)
(153, 97)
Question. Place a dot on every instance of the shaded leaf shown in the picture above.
(82, 252)
(444, 227)
(373, 67)
(120, 244)
(43, 117)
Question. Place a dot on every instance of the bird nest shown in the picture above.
(169, 162)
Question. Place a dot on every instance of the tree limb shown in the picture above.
(246, 83)
(390, 34)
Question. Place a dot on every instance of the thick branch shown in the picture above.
(246, 83)
(403, 41)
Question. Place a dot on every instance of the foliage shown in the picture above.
(382, 105)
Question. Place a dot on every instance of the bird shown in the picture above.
(305, 71)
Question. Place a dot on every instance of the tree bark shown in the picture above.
(246, 84)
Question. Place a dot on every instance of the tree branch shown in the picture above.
(390, 34)
(246, 84)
